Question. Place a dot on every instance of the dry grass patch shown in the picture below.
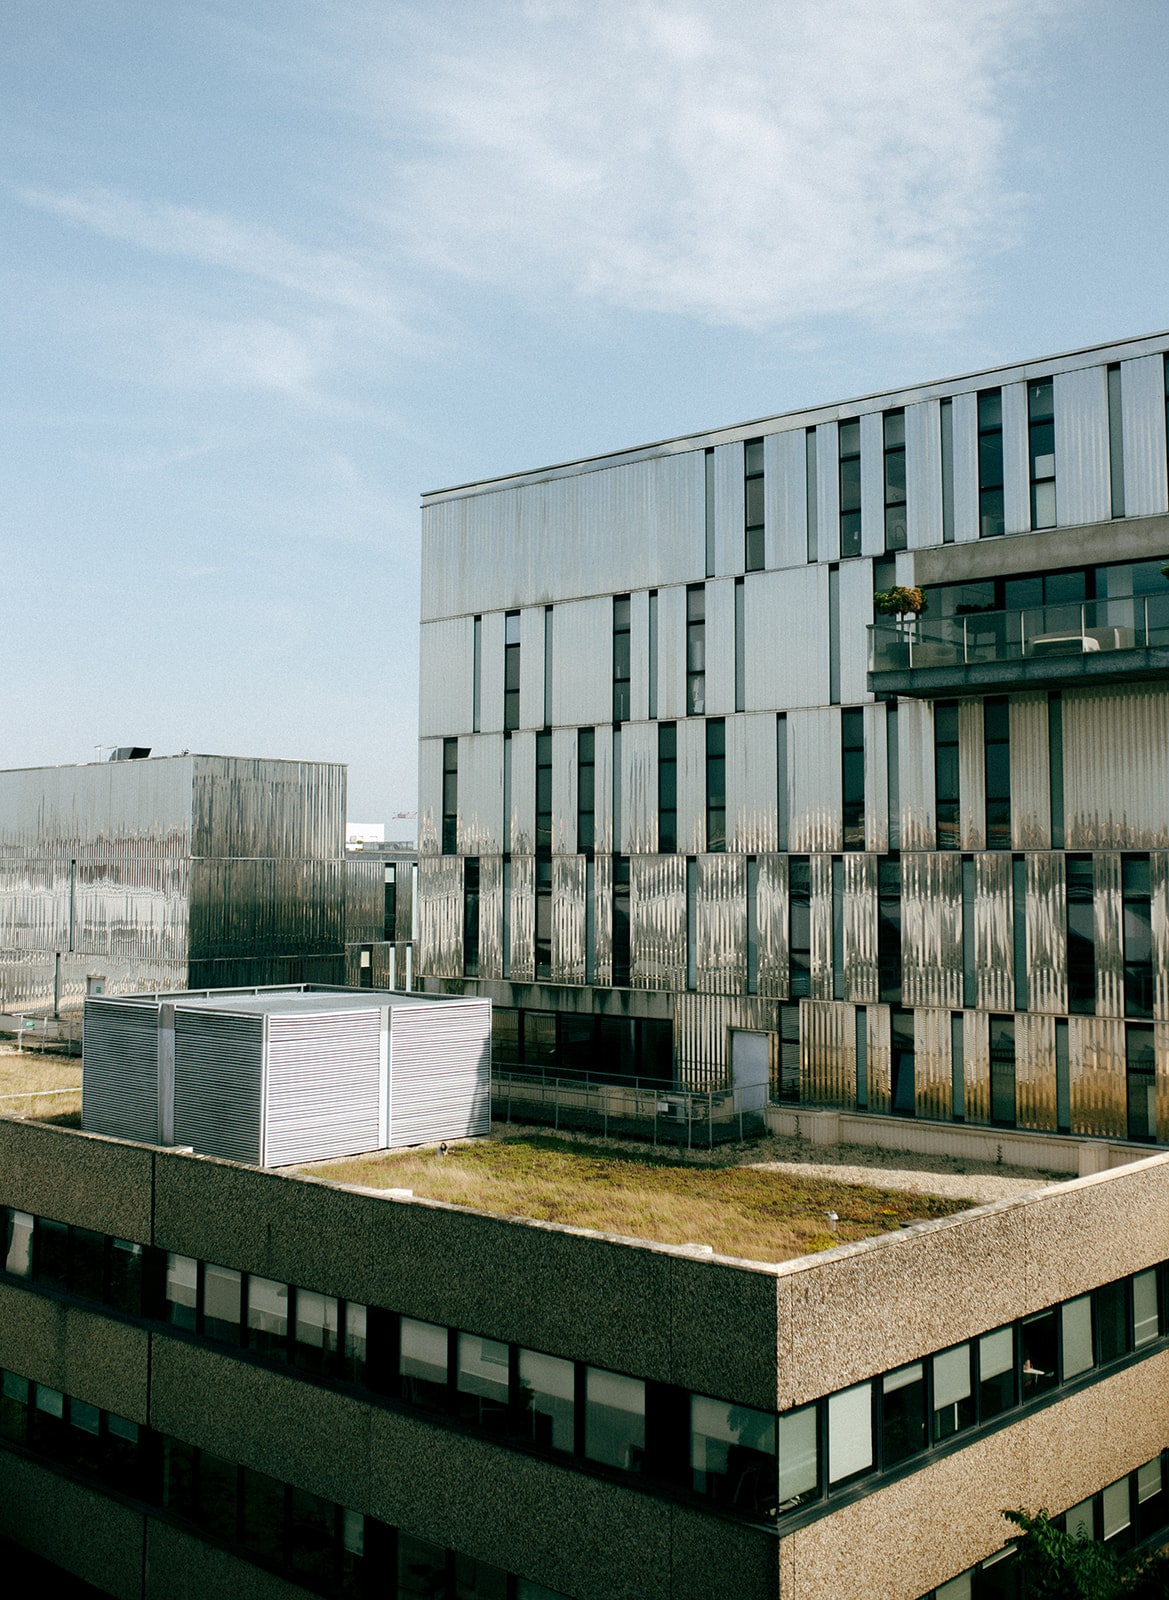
(765, 1216)
(30, 1083)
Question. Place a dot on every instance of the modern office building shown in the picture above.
(175, 872)
(219, 1380)
(686, 790)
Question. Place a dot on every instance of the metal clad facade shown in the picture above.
(751, 783)
(522, 920)
(532, 667)
(931, 937)
(722, 924)
(772, 916)
(720, 646)
(491, 666)
(971, 775)
(1142, 389)
(603, 920)
(994, 932)
(1030, 773)
(429, 796)
(878, 1057)
(440, 1072)
(119, 1087)
(827, 1053)
(491, 917)
(639, 788)
(1047, 976)
(923, 474)
(1035, 1072)
(814, 768)
(219, 1084)
(603, 790)
(856, 612)
(915, 748)
(446, 671)
(322, 1086)
(788, 610)
(657, 913)
(828, 491)
(1016, 462)
(691, 786)
(672, 653)
(582, 690)
(964, 419)
(1096, 1078)
(786, 498)
(1159, 908)
(523, 792)
(565, 777)
(1116, 768)
(1109, 937)
(976, 1065)
(821, 919)
(1083, 483)
(932, 1070)
(860, 927)
(440, 893)
(876, 778)
(702, 1028)
(480, 830)
(872, 487)
(568, 919)
(728, 509)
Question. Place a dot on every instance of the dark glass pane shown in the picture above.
(850, 485)
(996, 1368)
(267, 1316)
(52, 1252)
(87, 1261)
(732, 1454)
(423, 1362)
(1040, 1368)
(539, 1035)
(992, 520)
(1040, 399)
(1042, 444)
(179, 1483)
(990, 409)
(14, 1407)
(311, 1536)
(218, 1495)
(903, 1414)
(754, 507)
(262, 1533)
(1111, 1312)
(48, 1422)
(895, 477)
(421, 1569)
(222, 1302)
(1002, 1071)
(317, 1332)
(756, 555)
(753, 456)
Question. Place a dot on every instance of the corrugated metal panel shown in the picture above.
(876, 778)
(440, 1072)
(481, 794)
(751, 783)
(1096, 1077)
(97, 808)
(931, 924)
(672, 653)
(522, 920)
(1159, 874)
(1083, 484)
(932, 1068)
(532, 667)
(827, 1053)
(440, 921)
(814, 765)
(691, 786)
(657, 913)
(565, 748)
(828, 491)
(603, 790)
(1161, 1092)
(446, 675)
(879, 1057)
(638, 653)
(1142, 398)
(1016, 461)
(872, 487)
(322, 1086)
(1115, 770)
(523, 792)
(860, 927)
(1030, 773)
(365, 901)
(491, 666)
(119, 1087)
(219, 1083)
(639, 788)
(243, 807)
(994, 931)
(923, 474)
(820, 875)
(976, 1065)
(771, 916)
(915, 749)
(786, 498)
(965, 420)
(789, 610)
(728, 509)
(491, 917)
(721, 935)
(972, 774)
(1047, 977)
(856, 612)
(582, 690)
(429, 796)
(1109, 937)
(256, 908)
(720, 646)
(1035, 1072)
(702, 1027)
(603, 921)
(568, 919)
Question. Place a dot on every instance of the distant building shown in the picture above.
(176, 872)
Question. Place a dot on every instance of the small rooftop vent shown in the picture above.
(130, 752)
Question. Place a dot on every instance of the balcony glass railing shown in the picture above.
(1135, 622)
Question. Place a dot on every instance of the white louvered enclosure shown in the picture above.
(282, 1076)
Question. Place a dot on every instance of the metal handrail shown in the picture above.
(1086, 627)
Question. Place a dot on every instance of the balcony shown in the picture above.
(1099, 641)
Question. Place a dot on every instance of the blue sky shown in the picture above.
(272, 268)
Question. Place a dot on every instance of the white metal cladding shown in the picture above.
(671, 653)
(1096, 1077)
(565, 752)
(813, 739)
(429, 796)
(365, 901)
(1030, 752)
(828, 492)
(491, 917)
(1109, 919)
(491, 671)
(638, 653)
(440, 1072)
(603, 789)
(522, 920)
(440, 892)
(827, 1053)
(532, 667)
(994, 931)
(1116, 768)
(1035, 1105)
(639, 788)
(568, 919)
(446, 675)
(721, 933)
(751, 782)
(1047, 979)
(915, 749)
(876, 778)
(971, 774)
(820, 875)
(872, 483)
(523, 792)
(771, 916)
(93, 809)
(923, 474)
(786, 618)
(964, 417)
(933, 1080)
(931, 923)
(728, 510)
(879, 1057)
(322, 1086)
(480, 794)
(1159, 880)
(785, 489)
(582, 690)
(119, 1087)
(1083, 475)
(490, 550)
(691, 786)
(702, 1028)
(856, 612)
(720, 646)
(976, 1065)
(603, 921)
(860, 927)
(219, 1093)
(1016, 460)
(657, 917)
(1142, 397)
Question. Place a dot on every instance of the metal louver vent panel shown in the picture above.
(321, 1088)
(440, 1072)
(119, 1093)
(218, 1083)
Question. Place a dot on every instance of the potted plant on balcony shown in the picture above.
(906, 604)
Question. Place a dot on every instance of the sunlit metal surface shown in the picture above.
(923, 473)
(1016, 464)
(429, 796)
(1030, 773)
(751, 783)
(821, 895)
(931, 929)
(722, 924)
(785, 491)
(1096, 1079)
(1115, 768)
(878, 1057)
(971, 774)
(522, 919)
(771, 911)
(994, 945)
(1161, 1047)
(827, 1053)
(814, 764)
(872, 488)
(691, 786)
(876, 778)
(1159, 874)
(365, 900)
(788, 610)
(965, 419)
(568, 919)
(440, 892)
(1109, 936)
(856, 599)
(702, 1027)
(860, 927)
(976, 1065)
(932, 1070)
(915, 741)
(639, 788)
(720, 636)
(828, 491)
(446, 668)
(1083, 484)
(1035, 1071)
(671, 653)
(565, 777)
(523, 792)
(480, 794)
(491, 917)
(657, 910)
(1047, 976)
(603, 920)
(582, 662)
(532, 667)
(1142, 390)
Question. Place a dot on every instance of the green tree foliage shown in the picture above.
(1054, 1565)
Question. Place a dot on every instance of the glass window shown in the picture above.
(423, 1362)
(87, 1263)
(850, 488)
(123, 1465)
(1146, 1320)
(182, 1289)
(450, 794)
(84, 1435)
(262, 1504)
(482, 1379)
(547, 1393)
(218, 1495)
(586, 759)
(799, 1457)
(421, 1567)
(1117, 1515)
(356, 1340)
(18, 1244)
(311, 1532)
(1077, 1336)
(996, 1372)
(852, 764)
(222, 1302)
(850, 1432)
(959, 1588)
(1039, 1357)
(1081, 934)
(895, 514)
(318, 1319)
(902, 1414)
(48, 1420)
(1111, 1305)
(696, 650)
(1081, 1520)
(52, 1252)
(267, 1316)
(478, 1580)
(732, 1453)
(946, 791)
(953, 1392)
(614, 1419)
(13, 1407)
(180, 1478)
(716, 784)
(511, 669)
(125, 1279)
(621, 658)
